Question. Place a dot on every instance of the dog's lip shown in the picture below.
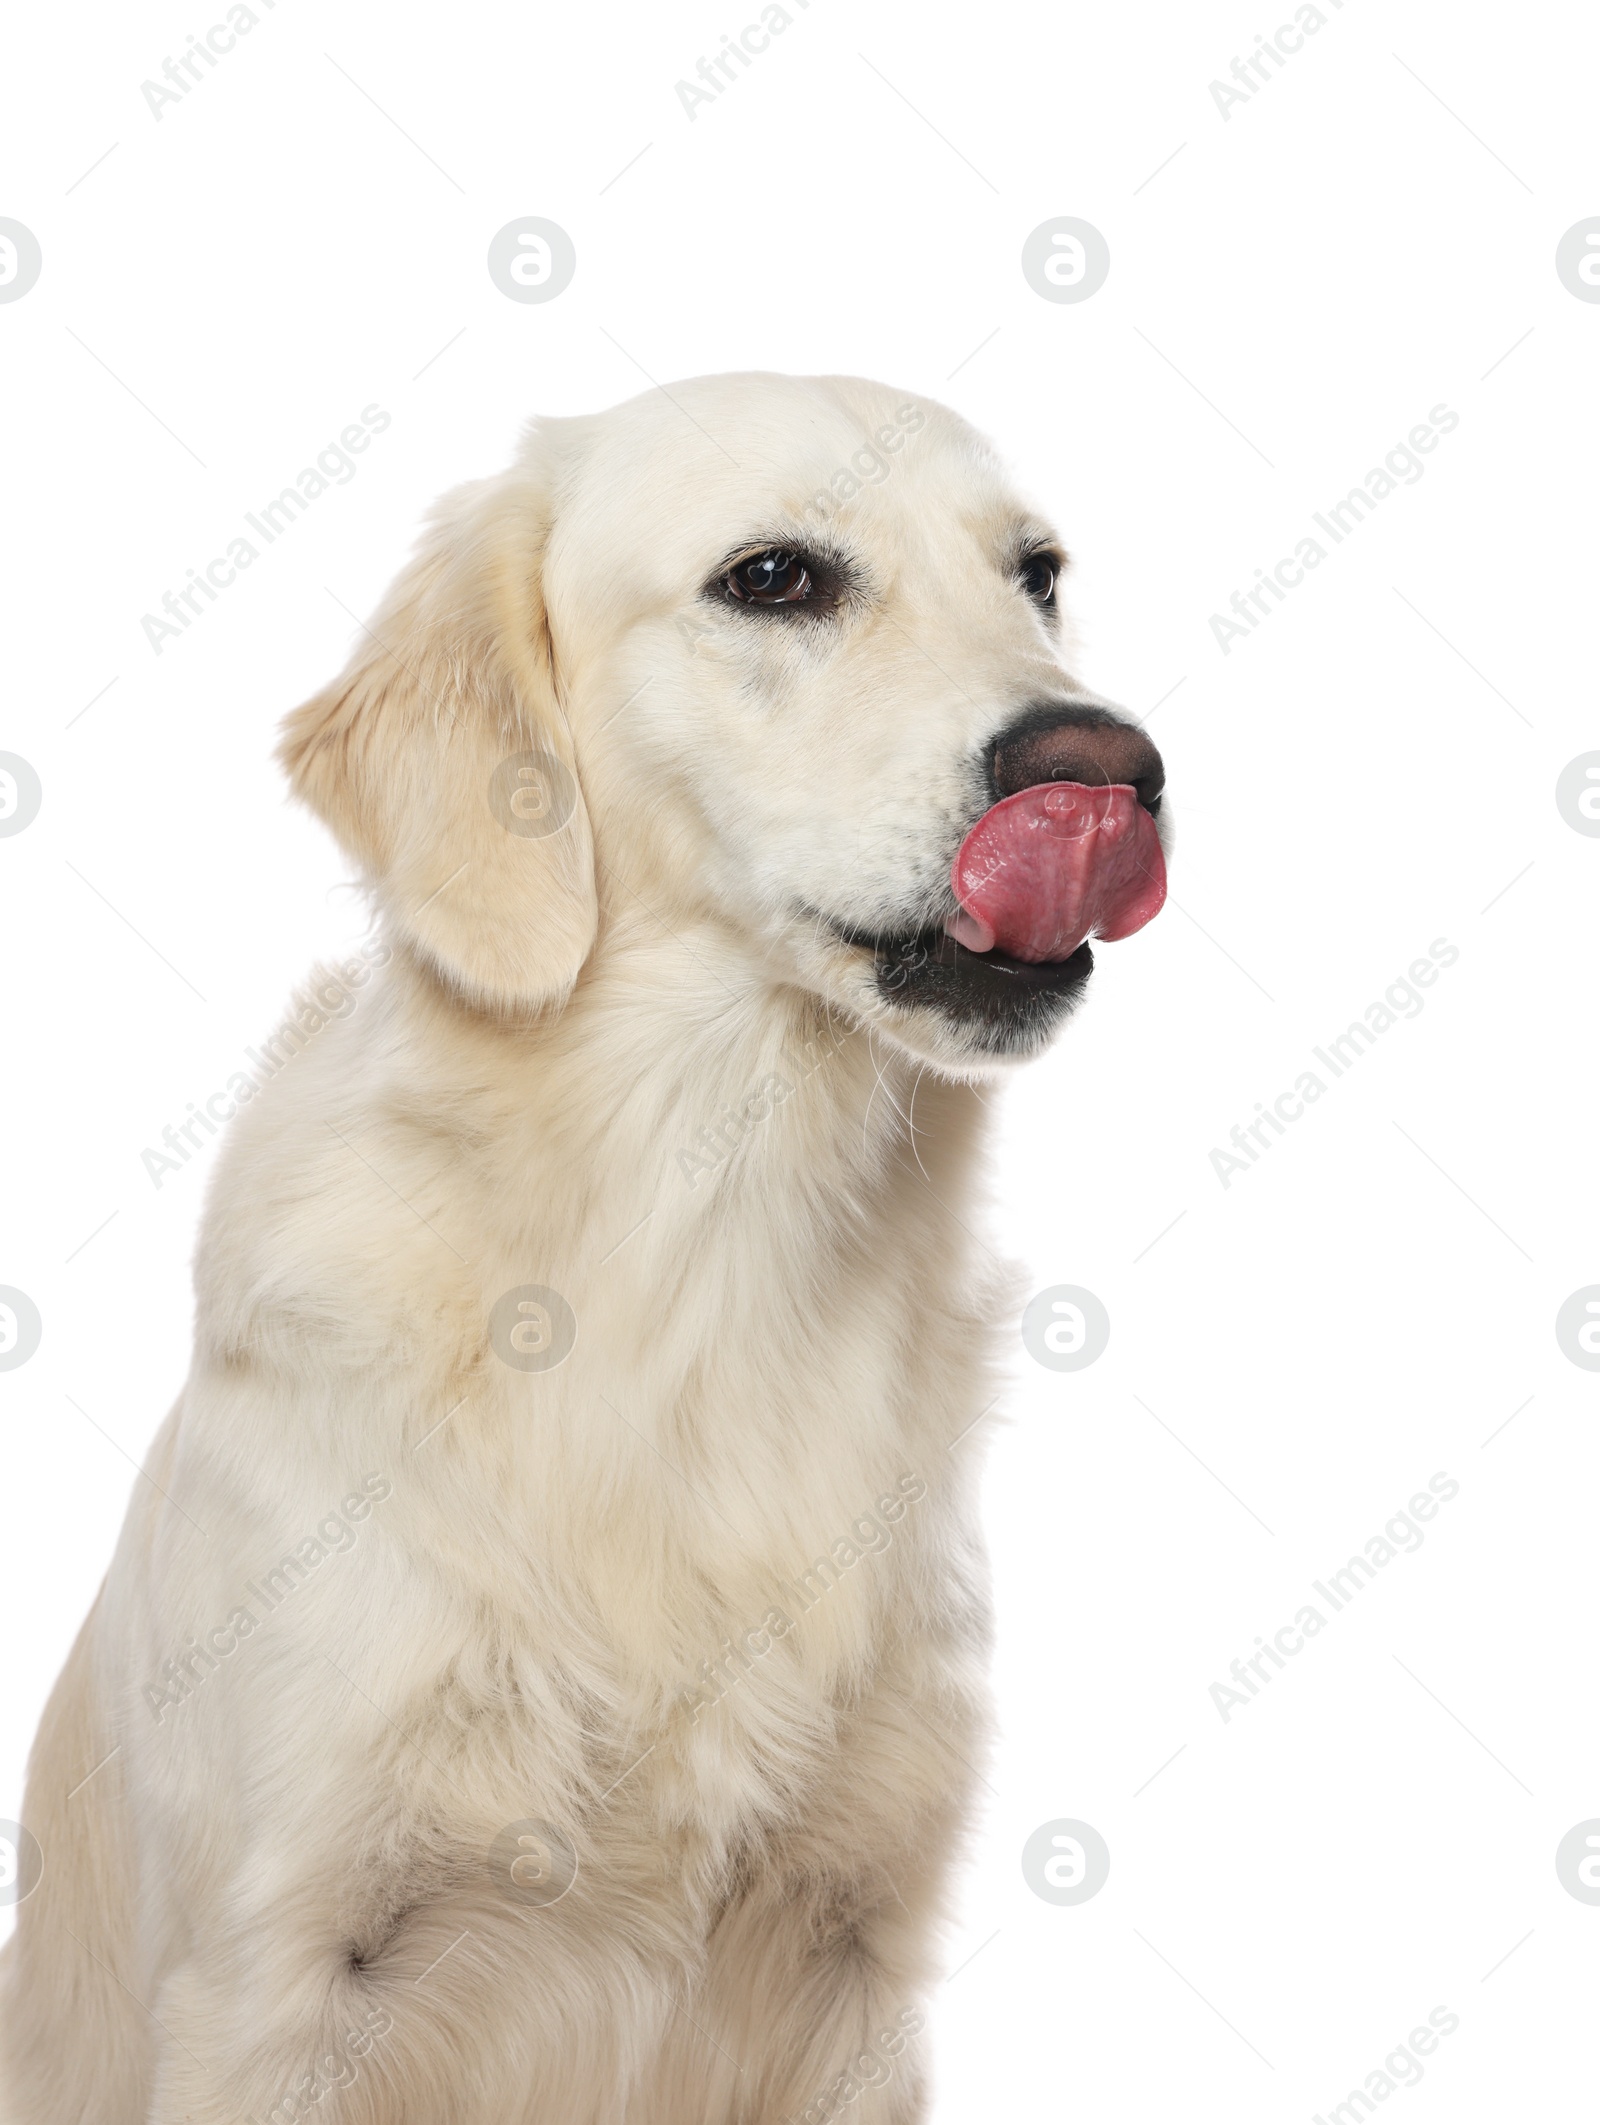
(936, 943)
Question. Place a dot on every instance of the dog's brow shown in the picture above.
(789, 534)
(1023, 535)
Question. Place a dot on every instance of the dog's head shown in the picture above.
(762, 650)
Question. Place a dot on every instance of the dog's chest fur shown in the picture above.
(737, 1503)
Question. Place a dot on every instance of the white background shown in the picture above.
(1372, 769)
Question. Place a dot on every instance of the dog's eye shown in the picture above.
(1037, 576)
(775, 577)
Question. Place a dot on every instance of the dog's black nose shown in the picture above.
(1060, 742)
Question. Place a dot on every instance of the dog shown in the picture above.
(544, 1675)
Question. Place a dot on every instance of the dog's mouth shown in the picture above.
(933, 967)
(1040, 873)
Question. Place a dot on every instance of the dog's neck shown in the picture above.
(668, 1065)
(761, 1221)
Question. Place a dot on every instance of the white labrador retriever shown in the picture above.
(552, 1690)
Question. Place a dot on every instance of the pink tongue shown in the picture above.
(1045, 869)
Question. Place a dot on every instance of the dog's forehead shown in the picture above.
(694, 468)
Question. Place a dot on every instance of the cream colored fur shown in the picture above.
(781, 1338)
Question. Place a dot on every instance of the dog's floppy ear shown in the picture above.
(442, 761)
